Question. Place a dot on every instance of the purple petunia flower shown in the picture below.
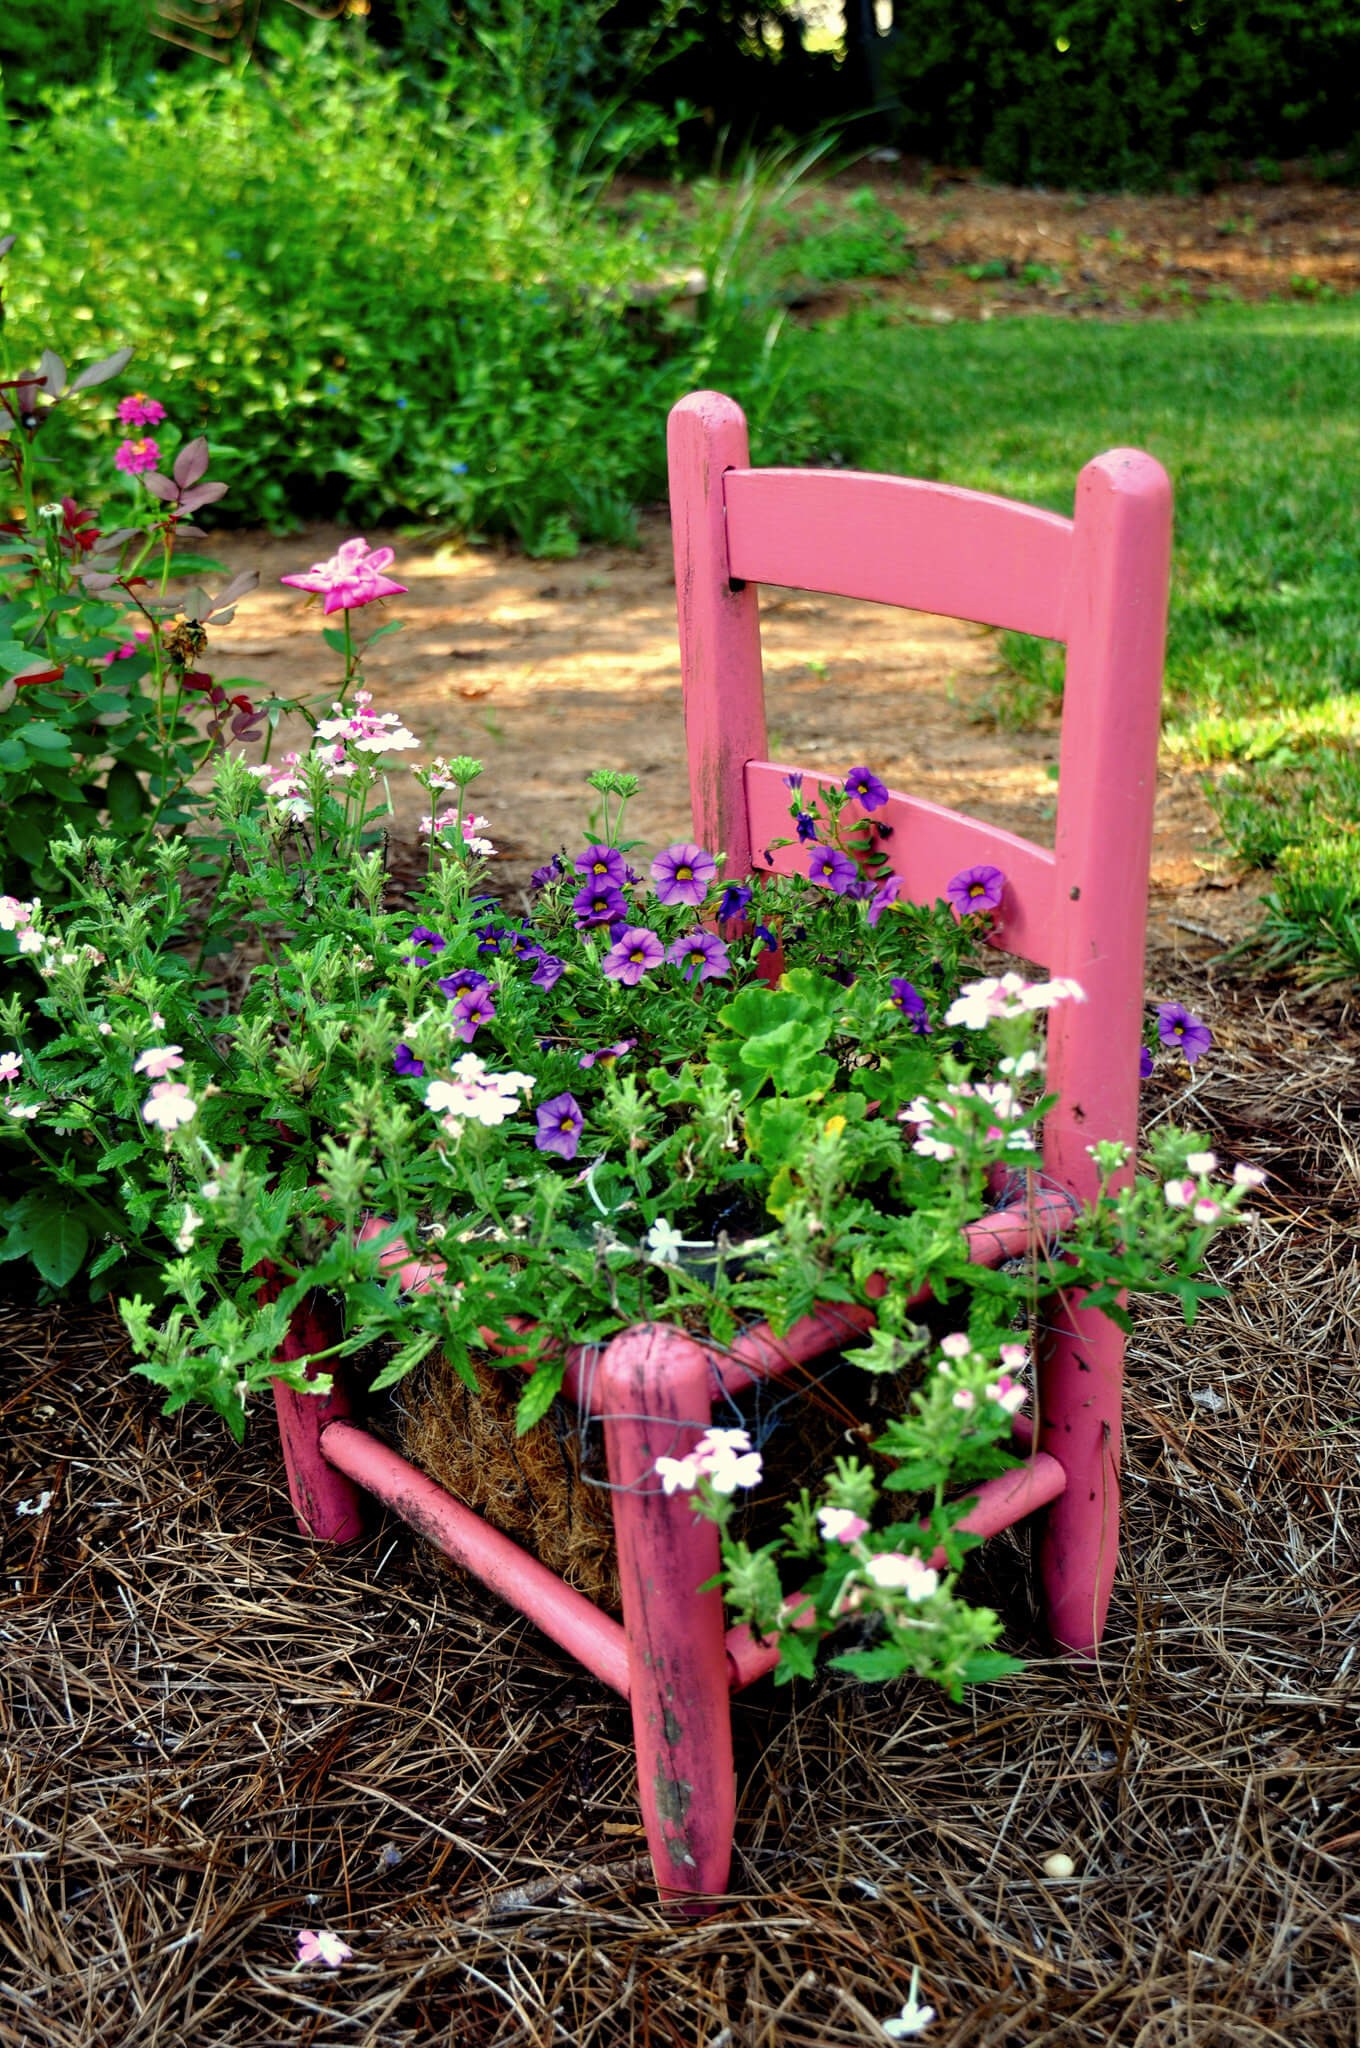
(703, 957)
(864, 784)
(423, 936)
(860, 890)
(769, 943)
(472, 1009)
(1145, 1064)
(598, 903)
(736, 898)
(1176, 1026)
(465, 981)
(974, 890)
(912, 1006)
(636, 952)
(794, 781)
(833, 868)
(887, 892)
(404, 1061)
(525, 946)
(559, 1126)
(607, 1054)
(549, 872)
(601, 864)
(548, 972)
(488, 937)
(682, 873)
(807, 825)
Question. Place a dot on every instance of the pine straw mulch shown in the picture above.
(215, 1735)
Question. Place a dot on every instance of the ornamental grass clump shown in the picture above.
(643, 1093)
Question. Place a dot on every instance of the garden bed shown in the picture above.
(221, 1735)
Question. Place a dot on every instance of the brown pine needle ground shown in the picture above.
(215, 1735)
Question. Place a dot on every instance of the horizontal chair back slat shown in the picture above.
(926, 847)
(896, 540)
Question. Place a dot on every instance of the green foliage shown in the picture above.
(379, 303)
(1252, 411)
(1121, 92)
(43, 49)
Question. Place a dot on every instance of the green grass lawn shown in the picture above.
(1253, 410)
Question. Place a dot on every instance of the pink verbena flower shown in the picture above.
(896, 1572)
(11, 1064)
(840, 1525)
(158, 1061)
(135, 456)
(137, 410)
(169, 1105)
(353, 576)
(364, 730)
(319, 1945)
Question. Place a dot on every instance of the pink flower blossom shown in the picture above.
(956, 1345)
(169, 1105)
(158, 1061)
(138, 410)
(1201, 1162)
(1206, 1210)
(24, 1110)
(899, 1573)
(10, 1066)
(140, 635)
(364, 730)
(1007, 1393)
(14, 915)
(1015, 1356)
(319, 1945)
(965, 1399)
(353, 576)
(722, 1456)
(1248, 1176)
(1179, 1193)
(135, 456)
(840, 1525)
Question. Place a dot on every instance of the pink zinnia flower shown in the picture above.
(140, 411)
(135, 456)
(353, 576)
(158, 1061)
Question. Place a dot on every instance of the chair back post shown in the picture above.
(1107, 774)
(720, 660)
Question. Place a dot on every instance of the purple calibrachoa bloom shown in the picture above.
(794, 781)
(548, 972)
(887, 892)
(404, 1061)
(472, 1009)
(601, 863)
(974, 890)
(1176, 1026)
(833, 868)
(598, 903)
(703, 957)
(736, 898)
(488, 937)
(466, 980)
(864, 784)
(637, 951)
(682, 873)
(807, 825)
(607, 1054)
(1145, 1064)
(559, 1126)
(549, 872)
(423, 936)
(768, 942)
(913, 1008)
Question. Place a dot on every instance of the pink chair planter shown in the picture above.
(1099, 582)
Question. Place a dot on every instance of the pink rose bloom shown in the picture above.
(135, 456)
(140, 411)
(353, 576)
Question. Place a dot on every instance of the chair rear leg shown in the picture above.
(329, 1507)
(1081, 1374)
(653, 1397)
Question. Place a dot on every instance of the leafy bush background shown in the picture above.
(380, 301)
(1117, 92)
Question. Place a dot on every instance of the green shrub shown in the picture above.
(376, 306)
(45, 49)
(1122, 91)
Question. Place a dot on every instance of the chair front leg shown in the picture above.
(654, 1398)
(329, 1507)
(1081, 1377)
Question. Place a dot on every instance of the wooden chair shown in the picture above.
(1097, 582)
